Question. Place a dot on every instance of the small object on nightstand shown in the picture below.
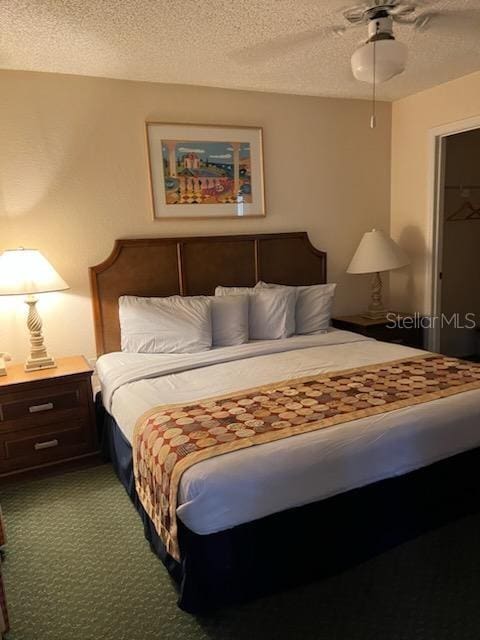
(400, 328)
(3, 358)
(46, 417)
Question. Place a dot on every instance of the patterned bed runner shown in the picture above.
(170, 439)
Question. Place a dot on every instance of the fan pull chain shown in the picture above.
(373, 117)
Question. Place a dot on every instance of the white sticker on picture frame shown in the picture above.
(205, 171)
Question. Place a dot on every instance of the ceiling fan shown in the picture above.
(378, 16)
(402, 11)
(382, 57)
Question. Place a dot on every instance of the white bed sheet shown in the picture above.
(228, 490)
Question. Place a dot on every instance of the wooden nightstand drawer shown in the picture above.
(39, 443)
(46, 416)
(39, 402)
(45, 444)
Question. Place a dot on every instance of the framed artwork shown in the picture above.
(205, 171)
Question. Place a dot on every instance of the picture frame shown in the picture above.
(201, 171)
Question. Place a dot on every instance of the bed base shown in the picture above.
(304, 543)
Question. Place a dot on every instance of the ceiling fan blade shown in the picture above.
(423, 21)
(264, 51)
(356, 14)
(455, 20)
(423, 3)
(420, 23)
(402, 10)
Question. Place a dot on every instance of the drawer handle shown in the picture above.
(36, 408)
(46, 445)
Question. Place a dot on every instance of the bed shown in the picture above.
(258, 519)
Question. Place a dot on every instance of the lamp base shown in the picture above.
(35, 364)
(376, 310)
(378, 314)
(39, 358)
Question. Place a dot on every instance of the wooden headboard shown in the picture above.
(195, 266)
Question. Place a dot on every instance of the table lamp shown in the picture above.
(27, 272)
(376, 253)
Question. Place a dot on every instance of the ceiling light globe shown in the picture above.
(391, 59)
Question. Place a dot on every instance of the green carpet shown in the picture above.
(77, 567)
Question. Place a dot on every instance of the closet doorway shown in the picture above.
(456, 248)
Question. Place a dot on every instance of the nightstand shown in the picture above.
(46, 417)
(408, 333)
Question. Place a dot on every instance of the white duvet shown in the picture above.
(231, 489)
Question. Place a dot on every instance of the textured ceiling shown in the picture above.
(269, 45)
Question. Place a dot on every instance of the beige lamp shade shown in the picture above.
(26, 272)
(377, 252)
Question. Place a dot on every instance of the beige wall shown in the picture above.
(412, 118)
(74, 177)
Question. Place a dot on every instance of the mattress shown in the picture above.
(222, 492)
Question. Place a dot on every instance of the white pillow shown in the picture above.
(313, 309)
(229, 320)
(271, 311)
(236, 291)
(165, 325)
